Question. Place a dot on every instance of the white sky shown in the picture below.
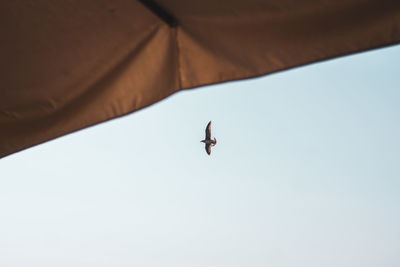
(305, 173)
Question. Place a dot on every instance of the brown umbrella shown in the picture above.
(69, 64)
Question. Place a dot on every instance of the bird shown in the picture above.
(208, 141)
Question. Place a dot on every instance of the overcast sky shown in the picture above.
(306, 172)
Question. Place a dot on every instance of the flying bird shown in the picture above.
(208, 141)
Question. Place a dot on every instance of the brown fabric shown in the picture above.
(69, 64)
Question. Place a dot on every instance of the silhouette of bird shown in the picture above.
(208, 141)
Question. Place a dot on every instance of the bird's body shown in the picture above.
(208, 140)
(212, 142)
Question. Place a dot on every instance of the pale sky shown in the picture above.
(306, 173)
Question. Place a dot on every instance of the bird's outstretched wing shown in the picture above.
(208, 130)
(208, 149)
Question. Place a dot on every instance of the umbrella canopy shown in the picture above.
(68, 64)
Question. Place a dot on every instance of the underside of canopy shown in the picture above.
(68, 64)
